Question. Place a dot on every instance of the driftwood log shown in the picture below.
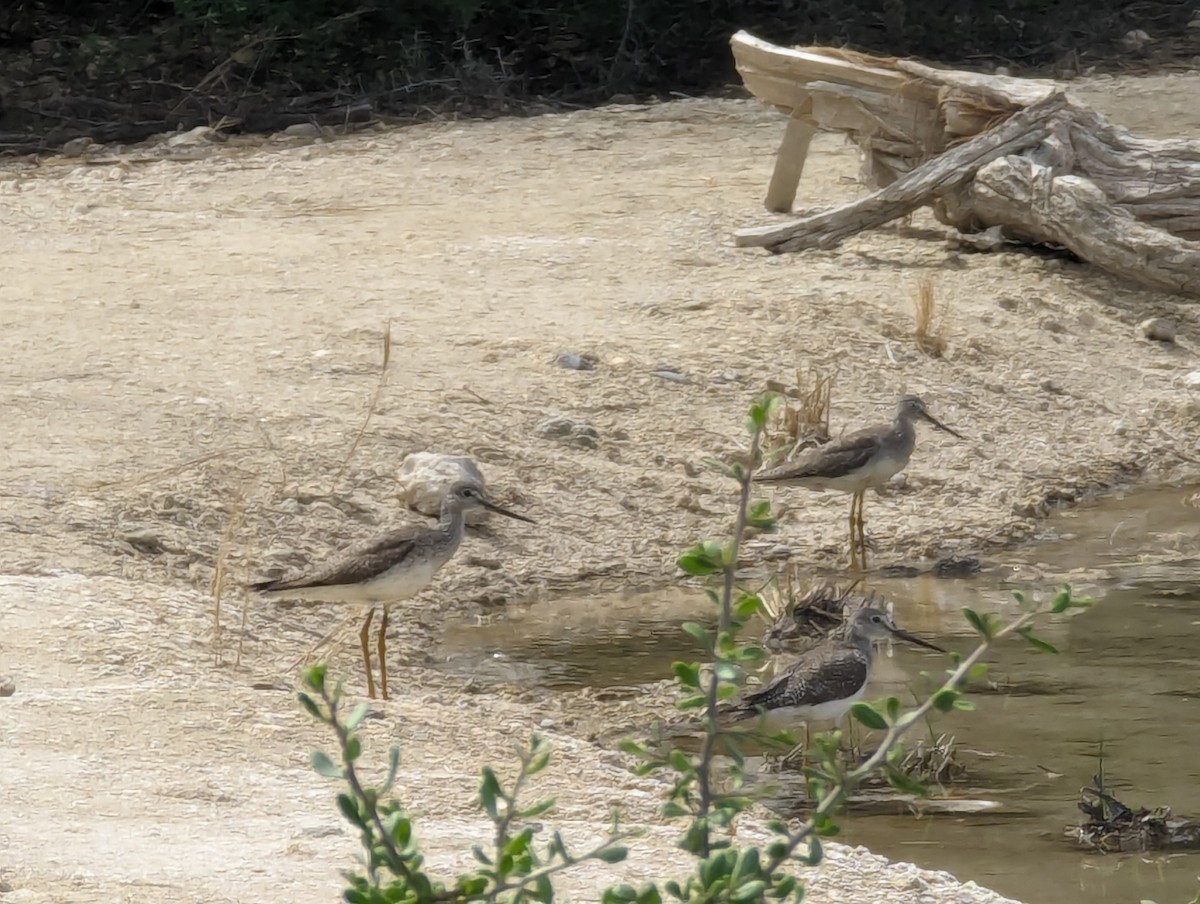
(992, 154)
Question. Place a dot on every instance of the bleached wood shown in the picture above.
(1027, 200)
(789, 164)
(1016, 159)
(913, 190)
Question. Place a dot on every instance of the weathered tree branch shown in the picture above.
(1032, 164)
(916, 189)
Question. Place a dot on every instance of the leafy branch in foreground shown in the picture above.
(395, 869)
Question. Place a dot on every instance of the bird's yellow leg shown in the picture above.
(364, 636)
(862, 531)
(383, 624)
(853, 539)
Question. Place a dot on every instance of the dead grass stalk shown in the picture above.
(930, 331)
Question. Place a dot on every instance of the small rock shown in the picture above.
(1008, 303)
(198, 135)
(77, 147)
(424, 477)
(1157, 328)
(1135, 40)
(1192, 380)
(778, 552)
(1050, 325)
(8, 687)
(143, 539)
(573, 433)
(1051, 386)
(669, 373)
(1120, 428)
(303, 130)
(574, 361)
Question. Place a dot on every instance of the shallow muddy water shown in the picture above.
(1126, 680)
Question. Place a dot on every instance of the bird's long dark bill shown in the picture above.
(929, 417)
(503, 511)
(912, 638)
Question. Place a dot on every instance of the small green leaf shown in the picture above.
(747, 606)
(944, 699)
(489, 791)
(353, 748)
(726, 671)
(866, 714)
(695, 563)
(310, 706)
(1036, 642)
(537, 809)
(539, 755)
(614, 854)
(977, 671)
(977, 622)
(355, 718)
(694, 702)
(349, 807)
(784, 886)
(698, 634)
(816, 851)
(687, 673)
(314, 677)
(964, 704)
(751, 891)
(1062, 602)
(323, 765)
(892, 707)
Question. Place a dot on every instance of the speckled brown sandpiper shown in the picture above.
(858, 462)
(387, 569)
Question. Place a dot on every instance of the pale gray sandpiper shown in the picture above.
(387, 569)
(824, 682)
(858, 462)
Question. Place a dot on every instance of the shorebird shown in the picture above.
(386, 569)
(823, 683)
(857, 462)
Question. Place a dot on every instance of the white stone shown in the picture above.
(424, 477)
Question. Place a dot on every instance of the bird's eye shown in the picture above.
(876, 619)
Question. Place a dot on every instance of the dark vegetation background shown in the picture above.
(127, 68)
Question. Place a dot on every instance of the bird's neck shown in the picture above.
(452, 522)
(863, 644)
(905, 429)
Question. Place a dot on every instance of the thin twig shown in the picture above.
(383, 376)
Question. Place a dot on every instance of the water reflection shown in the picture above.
(1128, 676)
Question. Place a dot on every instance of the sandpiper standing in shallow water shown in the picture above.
(858, 462)
(387, 569)
(823, 683)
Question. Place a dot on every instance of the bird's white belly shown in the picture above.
(877, 472)
(390, 586)
(402, 583)
(790, 716)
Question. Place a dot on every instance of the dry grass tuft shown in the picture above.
(930, 331)
(372, 405)
(803, 420)
(217, 588)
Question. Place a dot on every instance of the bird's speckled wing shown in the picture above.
(836, 458)
(816, 677)
(359, 563)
